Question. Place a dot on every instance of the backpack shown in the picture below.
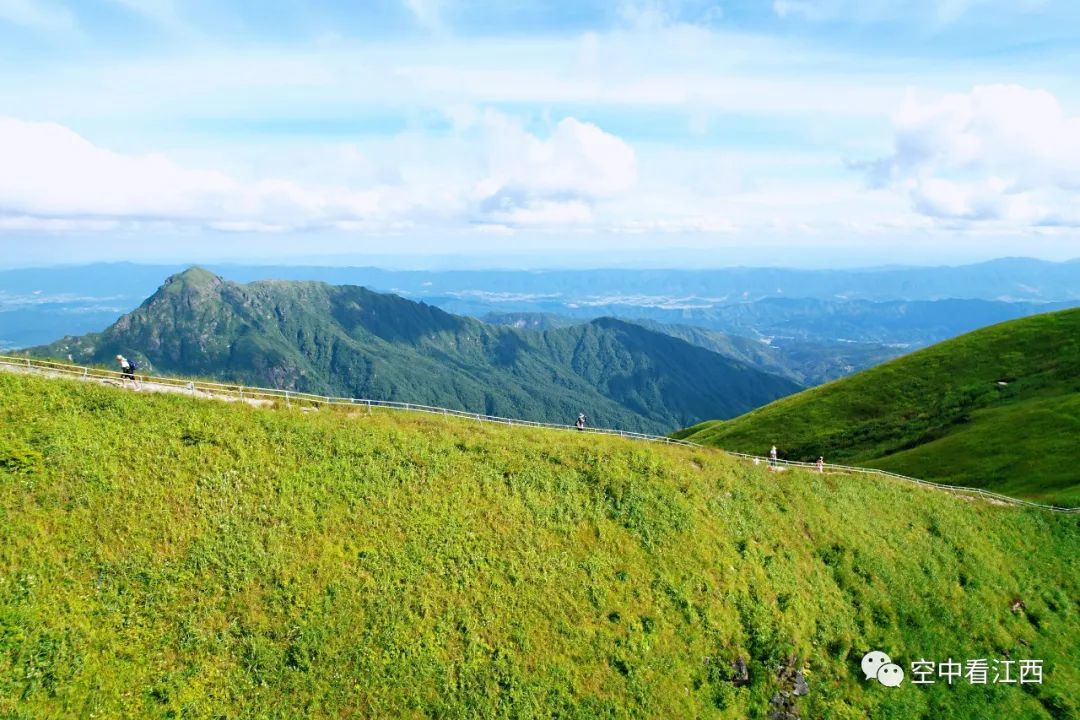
(134, 364)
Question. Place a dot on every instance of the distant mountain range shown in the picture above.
(905, 324)
(997, 408)
(911, 307)
(1006, 279)
(350, 341)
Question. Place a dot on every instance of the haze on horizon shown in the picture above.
(442, 133)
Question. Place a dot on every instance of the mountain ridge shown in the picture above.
(347, 340)
(39, 305)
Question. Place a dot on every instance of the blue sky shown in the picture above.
(817, 132)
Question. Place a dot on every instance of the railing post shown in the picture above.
(287, 403)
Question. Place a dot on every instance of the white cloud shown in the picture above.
(711, 224)
(24, 223)
(672, 69)
(529, 180)
(657, 14)
(428, 13)
(790, 8)
(936, 12)
(692, 88)
(999, 152)
(36, 14)
(539, 213)
(52, 172)
(166, 14)
(578, 159)
(52, 175)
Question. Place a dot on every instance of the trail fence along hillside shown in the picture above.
(233, 392)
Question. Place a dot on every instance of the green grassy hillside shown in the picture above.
(998, 408)
(346, 340)
(166, 557)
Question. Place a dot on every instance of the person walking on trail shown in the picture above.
(581, 420)
(772, 457)
(821, 464)
(127, 371)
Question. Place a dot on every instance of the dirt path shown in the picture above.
(145, 387)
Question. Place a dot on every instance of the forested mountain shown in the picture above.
(912, 307)
(347, 340)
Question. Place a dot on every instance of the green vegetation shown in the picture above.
(165, 557)
(998, 408)
(345, 340)
(807, 362)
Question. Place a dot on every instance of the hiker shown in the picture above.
(821, 464)
(580, 424)
(772, 457)
(127, 371)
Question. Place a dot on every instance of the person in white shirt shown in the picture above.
(127, 371)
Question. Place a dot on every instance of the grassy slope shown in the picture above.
(940, 413)
(166, 557)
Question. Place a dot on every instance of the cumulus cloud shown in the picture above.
(554, 180)
(52, 172)
(52, 177)
(578, 158)
(999, 152)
